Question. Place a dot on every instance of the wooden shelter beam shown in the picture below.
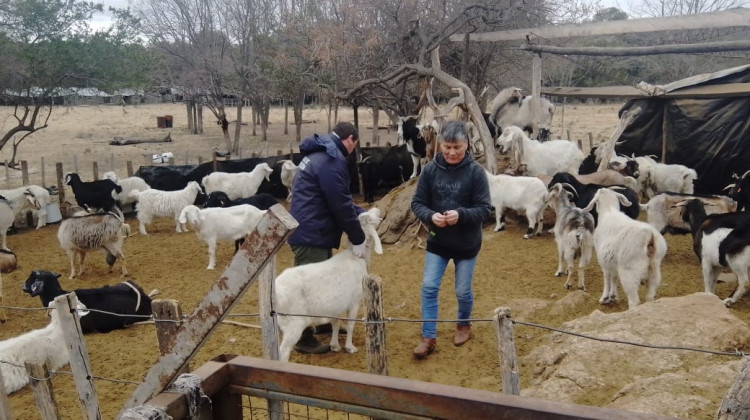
(708, 47)
(728, 18)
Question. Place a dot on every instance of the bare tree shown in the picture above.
(189, 31)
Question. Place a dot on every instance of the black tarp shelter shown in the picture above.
(702, 122)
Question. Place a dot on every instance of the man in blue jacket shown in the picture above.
(322, 205)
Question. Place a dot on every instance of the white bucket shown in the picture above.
(53, 213)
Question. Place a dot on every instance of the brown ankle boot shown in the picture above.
(425, 347)
(463, 334)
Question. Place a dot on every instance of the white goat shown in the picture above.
(128, 185)
(626, 248)
(574, 235)
(238, 185)
(325, 289)
(220, 223)
(540, 158)
(510, 107)
(40, 195)
(10, 208)
(157, 203)
(520, 193)
(288, 171)
(94, 232)
(45, 345)
(665, 210)
(658, 177)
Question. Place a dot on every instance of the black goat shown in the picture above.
(126, 299)
(739, 191)
(589, 164)
(262, 201)
(730, 233)
(584, 193)
(95, 195)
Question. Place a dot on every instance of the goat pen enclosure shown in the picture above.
(511, 272)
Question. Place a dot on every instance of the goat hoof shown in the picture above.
(352, 349)
(559, 274)
(582, 288)
(728, 302)
(526, 236)
(567, 286)
(498, 229)
(335, 347)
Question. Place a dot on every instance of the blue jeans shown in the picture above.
(434, 268)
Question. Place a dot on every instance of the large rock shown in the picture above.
(672, 382)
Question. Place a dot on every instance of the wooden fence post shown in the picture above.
(591, 140)
(79, 361)
(506, 349)
(24, 173)
(4, 404)
(60, 188)
(377, 361)
(167, 315)
(269, 235)
(215, 162)
(95, 170)
(129, 165)
(735, 406)
(42, 386)
(269, 332)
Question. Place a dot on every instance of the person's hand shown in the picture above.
(450, 217)
(359, 250)
(439, 220)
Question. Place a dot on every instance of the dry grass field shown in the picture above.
(510, 269)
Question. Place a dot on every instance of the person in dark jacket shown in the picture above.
(322, 205)
(453, 200)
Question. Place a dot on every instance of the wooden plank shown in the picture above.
(608, 148)
(260, 245)
(707, 47)
(42, 387)
(727, 18)
(79, 362)
(406, 396)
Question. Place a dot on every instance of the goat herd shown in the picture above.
(596, 213)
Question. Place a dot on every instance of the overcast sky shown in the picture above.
(103, 20)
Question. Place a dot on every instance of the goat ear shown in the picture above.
(623, 200)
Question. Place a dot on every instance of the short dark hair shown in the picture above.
(454, 131)
(345, 129)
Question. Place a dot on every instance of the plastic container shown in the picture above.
(53, 213)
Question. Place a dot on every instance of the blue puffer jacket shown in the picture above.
(321, 200)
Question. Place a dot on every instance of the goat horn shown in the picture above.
(572, 188)
(745, 174)
(728, 187)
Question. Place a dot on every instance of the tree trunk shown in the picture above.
(355, 108)
(255, 118)
(237, 130)
(286, 117)
(299, 102)
(199, 119)
(190, 108)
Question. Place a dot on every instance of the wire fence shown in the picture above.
(388, 320)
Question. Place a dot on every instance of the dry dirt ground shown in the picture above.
(510, 270)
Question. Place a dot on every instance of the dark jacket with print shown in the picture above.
(462, 187)
(321, 201)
